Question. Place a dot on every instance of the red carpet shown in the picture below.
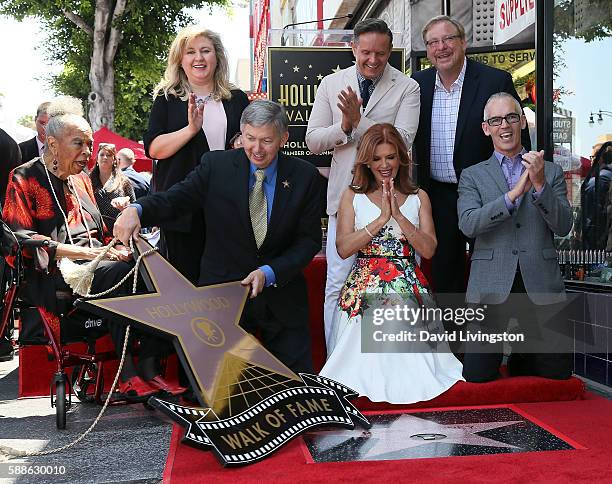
(585, 423)
(520, 389)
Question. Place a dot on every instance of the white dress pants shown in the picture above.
(337, 271)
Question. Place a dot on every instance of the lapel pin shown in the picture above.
(286, 184)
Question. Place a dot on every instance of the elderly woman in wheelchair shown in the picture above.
(51, 198)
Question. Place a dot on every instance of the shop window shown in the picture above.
(582, 132)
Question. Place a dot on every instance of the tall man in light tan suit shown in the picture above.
(347, 103)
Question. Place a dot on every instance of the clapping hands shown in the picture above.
(521, 187)
(389, 206)
(533, 161)
(350, 106)
(195, 113)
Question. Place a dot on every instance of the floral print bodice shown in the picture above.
(387, 264)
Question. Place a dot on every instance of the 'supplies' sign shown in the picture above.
(511, 18)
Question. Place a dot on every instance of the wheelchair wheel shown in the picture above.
(60, 403)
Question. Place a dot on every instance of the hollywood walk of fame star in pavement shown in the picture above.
(225, 363)
(434, 434)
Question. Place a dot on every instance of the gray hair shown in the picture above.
(262, 112)
(443, 18)
(499, 96)
(64, 111)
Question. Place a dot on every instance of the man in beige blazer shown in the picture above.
(347, 103)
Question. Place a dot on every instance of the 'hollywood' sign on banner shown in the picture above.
(511, 18)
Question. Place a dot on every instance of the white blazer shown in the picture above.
(395, 100)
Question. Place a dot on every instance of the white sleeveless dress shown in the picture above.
(386, 265)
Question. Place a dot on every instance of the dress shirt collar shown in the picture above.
(458, 84)
(270, 170)
(40, 145)
(361, 78)
(517, 157)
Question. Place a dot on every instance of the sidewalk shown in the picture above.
(130, 443)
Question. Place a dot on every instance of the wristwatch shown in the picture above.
(349, 135)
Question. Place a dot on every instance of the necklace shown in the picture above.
(76, 195)
(204, 99)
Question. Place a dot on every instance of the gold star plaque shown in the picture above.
(215, 351)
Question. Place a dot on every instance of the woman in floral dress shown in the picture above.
(386, 220)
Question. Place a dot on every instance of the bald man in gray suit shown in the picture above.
(512, 205)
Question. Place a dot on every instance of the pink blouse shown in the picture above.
(215, 125)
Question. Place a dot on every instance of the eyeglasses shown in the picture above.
(449, 39)
(510, 118)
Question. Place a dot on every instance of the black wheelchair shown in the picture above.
(36, 326)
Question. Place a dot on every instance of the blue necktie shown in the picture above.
(365, 91)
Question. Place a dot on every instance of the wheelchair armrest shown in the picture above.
(34, 243)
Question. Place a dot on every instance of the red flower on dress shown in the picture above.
(387, 271)
(373, 264)
(406, 248)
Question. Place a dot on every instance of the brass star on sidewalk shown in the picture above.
(204, 321)
(397, 436)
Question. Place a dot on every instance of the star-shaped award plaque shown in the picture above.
(216, 353)
(435, 433)
(411, 431)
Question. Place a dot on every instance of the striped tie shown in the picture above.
(258, 208)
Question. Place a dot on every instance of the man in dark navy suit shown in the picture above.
(450, 138)
(33, 147)
(263, 227)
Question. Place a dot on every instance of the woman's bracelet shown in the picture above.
(368, 232)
